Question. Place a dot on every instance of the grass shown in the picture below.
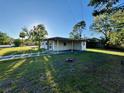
(91, 72)
(107, 52)
(21, 50)
(16, 50)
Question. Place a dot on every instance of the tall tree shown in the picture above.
(22, 35)
(77, 30)
(102, 25)
(38, 33)
(111, 28)
(74, 35)
(117, 37)
(105, 24)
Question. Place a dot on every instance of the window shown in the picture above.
(50, 45)
(46, 43)
(64, 44)
(42, 43)
(83, 43)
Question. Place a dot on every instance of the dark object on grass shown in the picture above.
(69, 60)
(122, 62)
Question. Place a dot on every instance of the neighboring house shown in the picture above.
(63, 44)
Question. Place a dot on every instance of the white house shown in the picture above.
(63, 44)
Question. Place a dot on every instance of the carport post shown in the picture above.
(57, 45)
(72, 46)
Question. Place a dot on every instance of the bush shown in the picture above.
(17, 42)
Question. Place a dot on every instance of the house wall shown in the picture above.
(83, 45)
(44, 44)
(63, 45)
(77, 45)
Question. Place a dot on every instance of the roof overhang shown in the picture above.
(63, 39)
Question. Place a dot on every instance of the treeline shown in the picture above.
(30, 37)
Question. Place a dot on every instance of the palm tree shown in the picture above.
(22, 35)
(27, 32)
(79, 27)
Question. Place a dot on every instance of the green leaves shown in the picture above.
(117, 38)
(104, 3)
(103, 6)
(111, 26)
(4, 38)
(79, 26)
(38, 33)
(77, 30)
(22, 34)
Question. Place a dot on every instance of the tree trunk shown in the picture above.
(39, 45)
(22, 42)
(106, 41)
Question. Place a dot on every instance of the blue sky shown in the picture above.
(58, 16)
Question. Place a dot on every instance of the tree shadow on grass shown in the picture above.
(91, 73)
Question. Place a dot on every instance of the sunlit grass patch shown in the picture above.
(16, 50)
(107, 52)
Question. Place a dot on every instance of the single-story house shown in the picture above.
(63, 44)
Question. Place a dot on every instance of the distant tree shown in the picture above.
(22, 35)
(27, 32)
(38, 33)
(77, 30)
(5, 39)
(17, 42)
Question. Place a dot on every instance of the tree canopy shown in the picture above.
(38, 33)
(105, 6)
(77, 30)
(5, 39)
(22, 34)
(111, 27)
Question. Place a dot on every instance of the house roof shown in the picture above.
(64, 39)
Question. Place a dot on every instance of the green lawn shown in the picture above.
(16, 50)
(92, 72)
(107, 52)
